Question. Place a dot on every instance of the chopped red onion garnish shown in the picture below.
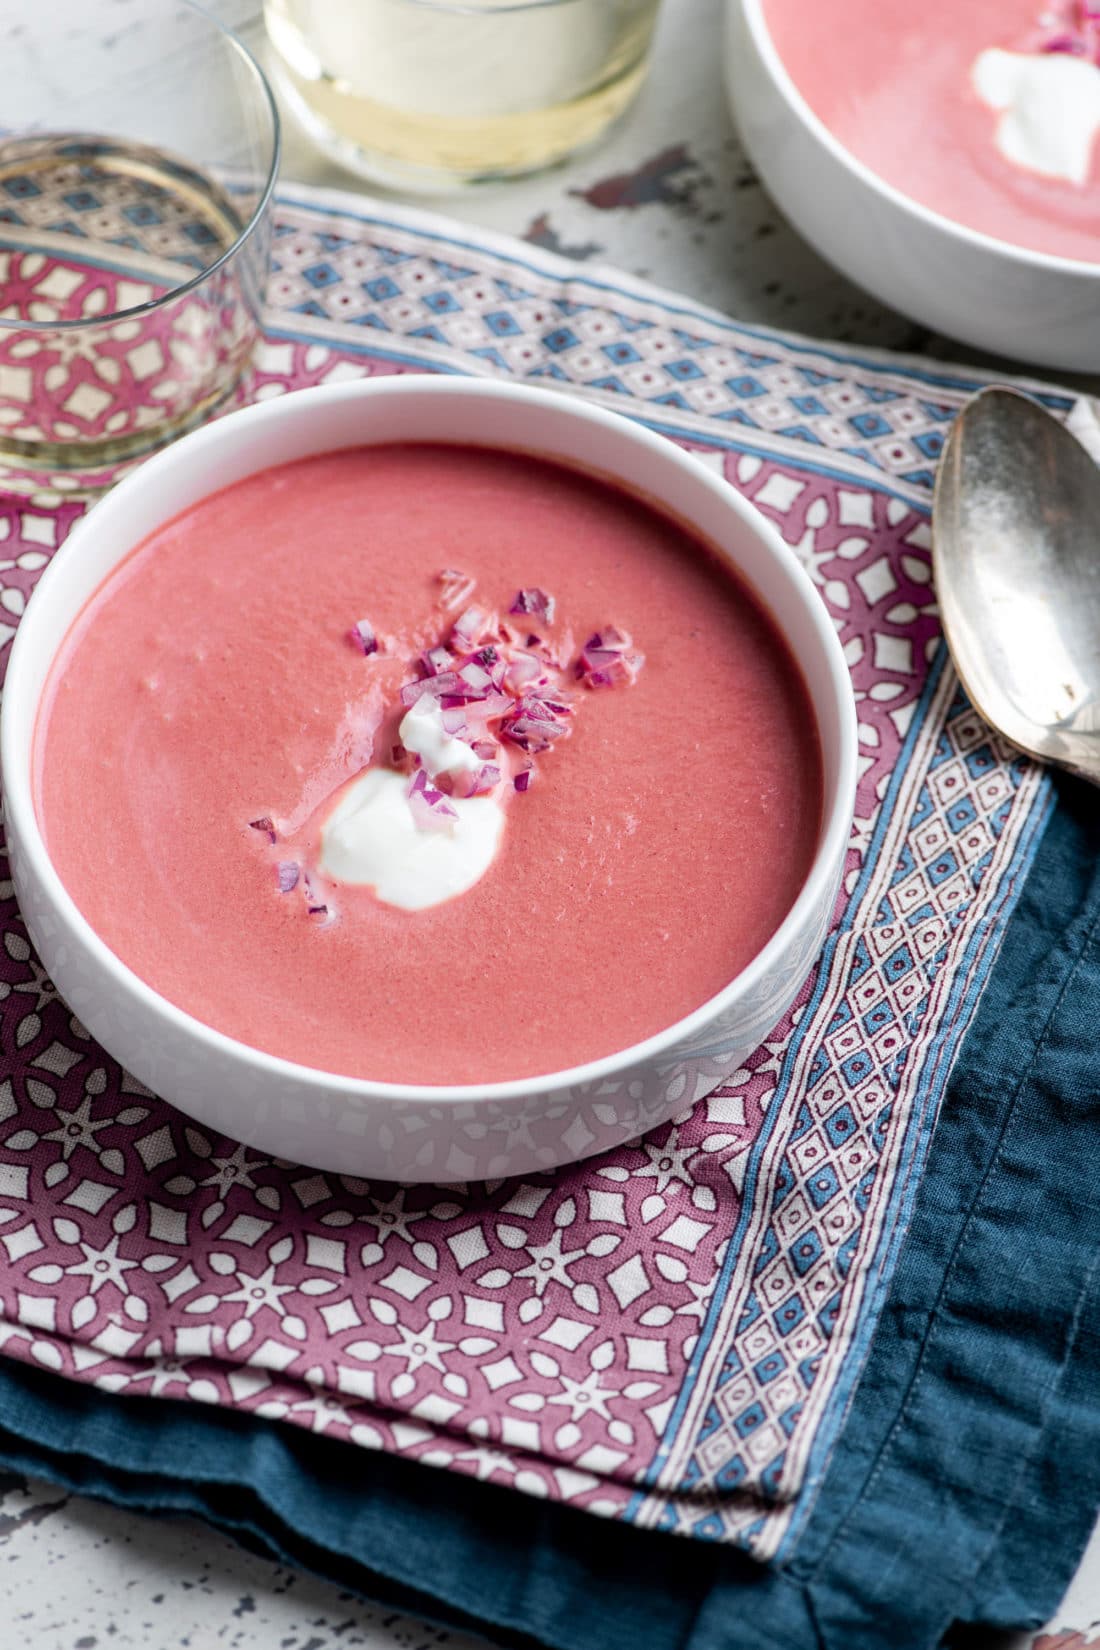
(521, 673)
(490, 679)
(546, 710)
(632, 664)
(287, 873)
(457, 587)
(443, 686)
(265, 825)
(437, 660)
(476, 783)
(534, 601)
(533, 727)
(487, 709)
(605, 659)
(362, 635)
(1072, 30)
(609, 637)
(315, 907)
(431, 810)
(468, 628)
(474, 679)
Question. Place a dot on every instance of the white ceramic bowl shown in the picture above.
(987, 292)
(402, 1131)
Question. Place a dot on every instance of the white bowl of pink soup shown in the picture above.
(213, 670)
(942, 156)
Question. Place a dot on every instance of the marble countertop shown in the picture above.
(670, 197)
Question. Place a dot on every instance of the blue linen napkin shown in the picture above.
(964, 1481)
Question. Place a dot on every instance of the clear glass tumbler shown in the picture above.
(432, 95)
(138, 154)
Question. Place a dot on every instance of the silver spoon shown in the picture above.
(1016, 560)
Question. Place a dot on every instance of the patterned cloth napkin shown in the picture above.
(668, 1335)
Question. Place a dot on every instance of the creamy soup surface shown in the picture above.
(211, 709)
(987, 111)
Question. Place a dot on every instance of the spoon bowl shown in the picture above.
(1016, 560)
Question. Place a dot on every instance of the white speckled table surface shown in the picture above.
(671, 197)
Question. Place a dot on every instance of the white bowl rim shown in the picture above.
(837, 807)
(753, 13)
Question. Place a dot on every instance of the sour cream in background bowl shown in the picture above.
(424, 1130)
(942, 156)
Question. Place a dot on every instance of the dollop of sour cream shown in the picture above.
(1049, 104)
(372, 837)
(422, 733)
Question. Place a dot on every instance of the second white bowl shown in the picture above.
(986, 292)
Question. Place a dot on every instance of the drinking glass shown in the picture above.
(138, 154)
(435, 94)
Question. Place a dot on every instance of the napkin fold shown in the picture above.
(836, 1316)
(965, 1479)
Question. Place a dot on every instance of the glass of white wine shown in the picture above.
(433, 95)
(138, 153)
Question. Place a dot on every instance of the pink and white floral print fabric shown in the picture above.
(666, 1333)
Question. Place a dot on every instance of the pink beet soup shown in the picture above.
(211, 682)
(893, 82)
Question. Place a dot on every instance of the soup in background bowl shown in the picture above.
(942, 156)
(986, 113)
